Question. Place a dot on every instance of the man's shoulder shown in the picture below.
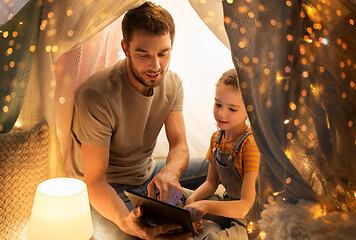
(102, 79)
(105, 74)
(172, 82)
(172, 77)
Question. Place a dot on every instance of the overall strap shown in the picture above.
(217, 139)
(219, 136)
(239, 141)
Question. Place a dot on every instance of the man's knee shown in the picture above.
(195, 174)
(104, 229)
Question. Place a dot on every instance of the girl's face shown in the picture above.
(229, 109)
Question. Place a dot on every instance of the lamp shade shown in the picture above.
(61, 211)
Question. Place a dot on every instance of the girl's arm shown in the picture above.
(237, 208)
(208, 188)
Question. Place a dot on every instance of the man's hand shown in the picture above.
(166, 184)
(134, 225)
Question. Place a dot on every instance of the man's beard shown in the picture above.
(141, 80)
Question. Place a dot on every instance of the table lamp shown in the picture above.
(61, 211)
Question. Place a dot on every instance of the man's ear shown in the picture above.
(124, 47)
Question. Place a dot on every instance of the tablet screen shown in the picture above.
(156, 212)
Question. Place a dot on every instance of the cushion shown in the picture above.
(23, 165)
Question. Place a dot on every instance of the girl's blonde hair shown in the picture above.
(229, 78)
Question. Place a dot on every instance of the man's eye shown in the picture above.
(162, 54)
(144, 56)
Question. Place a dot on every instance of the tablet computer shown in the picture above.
(156, 212)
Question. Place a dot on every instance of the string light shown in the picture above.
(262, 235)
(249, 228)
(277, 193)
(18, 124)
(324, 41)
(315, 90)
(279, 77)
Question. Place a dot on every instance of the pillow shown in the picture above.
(23, 165)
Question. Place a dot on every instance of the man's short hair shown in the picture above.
(150, 17)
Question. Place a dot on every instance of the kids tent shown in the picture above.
(296, 66)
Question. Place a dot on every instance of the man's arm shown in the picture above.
(167, 180)
(101, 195)
(106, 201)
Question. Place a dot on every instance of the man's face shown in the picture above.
(148, 57)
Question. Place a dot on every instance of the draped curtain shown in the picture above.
(47, 55)
(296, 66)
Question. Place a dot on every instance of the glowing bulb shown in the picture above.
(277, 193)
(324, 41)
(312, 12)
(292, 106)
(279, 77)
(250, 227)
(262, 235)
(286, 121)
(315, 89)
(18, 124)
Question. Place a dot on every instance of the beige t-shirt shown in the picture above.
(109, 111)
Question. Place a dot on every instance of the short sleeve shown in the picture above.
(250, 155)
(93, 118)
(209, 154)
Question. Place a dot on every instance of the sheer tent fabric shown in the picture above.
(57, 29)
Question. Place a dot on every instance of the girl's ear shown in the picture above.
(124, 47)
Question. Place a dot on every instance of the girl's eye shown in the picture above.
(232, 110)
(218, 104)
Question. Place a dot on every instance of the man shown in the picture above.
(118, 115)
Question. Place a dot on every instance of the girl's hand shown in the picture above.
(197, 211)
(197, 226)
(189, 200)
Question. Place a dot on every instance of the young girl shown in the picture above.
(234, 160)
